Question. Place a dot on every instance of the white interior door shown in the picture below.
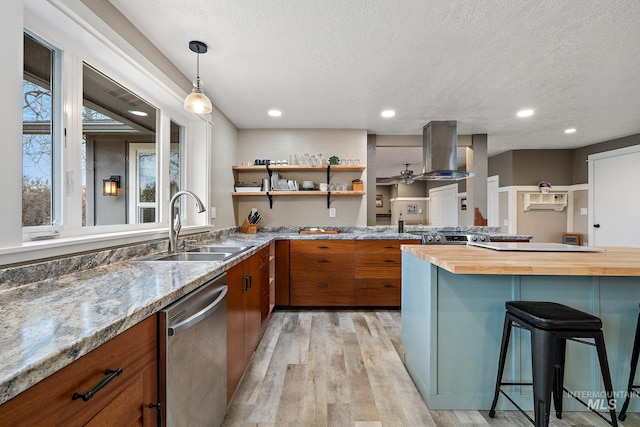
(443, 205)
(614, 177)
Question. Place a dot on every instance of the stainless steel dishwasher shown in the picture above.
(193, 357)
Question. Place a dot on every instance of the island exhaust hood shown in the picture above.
(440, 159)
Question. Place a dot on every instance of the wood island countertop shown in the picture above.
(461, 259)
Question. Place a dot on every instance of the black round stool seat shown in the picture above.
(553, 316)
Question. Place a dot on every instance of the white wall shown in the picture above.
(11, 20)
(224, 146)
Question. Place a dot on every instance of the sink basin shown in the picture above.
(220, 249)
(195, 256)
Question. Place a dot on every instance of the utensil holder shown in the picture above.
(248, 228)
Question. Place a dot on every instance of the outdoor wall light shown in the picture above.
(197, 102)
(110, 186)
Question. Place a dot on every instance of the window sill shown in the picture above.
(32, 251)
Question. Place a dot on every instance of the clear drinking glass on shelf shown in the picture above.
(320, 159)
(306, 159)
(293, 159)
(313, 161)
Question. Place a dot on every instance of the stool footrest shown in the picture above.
(517, 406)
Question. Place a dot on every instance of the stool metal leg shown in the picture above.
(543, 346)
(632, 374)
(506, 333)
(558, 376)
(606, 376)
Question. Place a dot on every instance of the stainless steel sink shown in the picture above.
(217, 252)
(195, 256)
(221, 248)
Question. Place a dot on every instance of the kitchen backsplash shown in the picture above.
(18, 275)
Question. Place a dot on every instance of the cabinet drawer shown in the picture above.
(322, 246)
(386, 246)
(50, 401)
(323, 291)
(378, 265)
(326, 264)
(378, 292)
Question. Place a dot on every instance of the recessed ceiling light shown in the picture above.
(275, 113)
(570, 130)
(138, 113)
(525, 113)
(388, 113)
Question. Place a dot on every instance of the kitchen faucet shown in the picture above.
(174, 229)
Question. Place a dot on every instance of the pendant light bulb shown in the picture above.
(197, 102)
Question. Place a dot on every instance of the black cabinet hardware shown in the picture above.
(322, 285)
(88, 395)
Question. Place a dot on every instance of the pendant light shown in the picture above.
(197, 102)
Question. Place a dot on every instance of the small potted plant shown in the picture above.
(544, 186)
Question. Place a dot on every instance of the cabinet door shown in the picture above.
(237, 282)
(252, 317)
(50, 401)
(265, 286)
(282, 273)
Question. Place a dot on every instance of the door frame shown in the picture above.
(591, 159)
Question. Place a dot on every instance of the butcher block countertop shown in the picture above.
(461, 259)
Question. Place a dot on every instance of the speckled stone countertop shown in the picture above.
(54, 319)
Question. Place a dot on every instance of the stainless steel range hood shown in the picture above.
(439, 143)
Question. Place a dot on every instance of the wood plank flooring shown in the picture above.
(343, 368)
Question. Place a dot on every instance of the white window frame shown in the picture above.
(82, 37)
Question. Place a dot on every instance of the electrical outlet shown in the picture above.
(505, 222)
(332, 212)
(583, 211)
(213, 212)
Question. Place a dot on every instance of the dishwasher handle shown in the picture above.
(205, 312)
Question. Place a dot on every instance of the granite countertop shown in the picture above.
(48, 322)
(462, 259)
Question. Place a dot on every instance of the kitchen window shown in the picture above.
(41, 133)
(76, 134)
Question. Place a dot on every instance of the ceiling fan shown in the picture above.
(406, 177)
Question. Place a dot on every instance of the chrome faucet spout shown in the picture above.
(175, 224)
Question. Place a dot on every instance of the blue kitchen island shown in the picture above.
(453, 312)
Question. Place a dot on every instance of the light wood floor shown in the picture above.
(343, 368)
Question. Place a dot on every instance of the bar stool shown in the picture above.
(551, 325)
(634, 364)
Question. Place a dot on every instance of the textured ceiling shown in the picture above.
(338, 64)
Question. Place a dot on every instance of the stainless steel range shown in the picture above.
(452, 237)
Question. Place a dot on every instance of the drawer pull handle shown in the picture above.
(387, 247)
(323, 247)
(323, 260)
(388, 285)
(388, 260)
(88, 395)
(322, 285)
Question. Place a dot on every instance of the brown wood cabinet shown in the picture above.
(124, 401)
(338, 273)
(321, 272)
(378, 272)
(244, 314)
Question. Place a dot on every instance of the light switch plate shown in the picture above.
(332, 212)
(213, 212)
(583, 211)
